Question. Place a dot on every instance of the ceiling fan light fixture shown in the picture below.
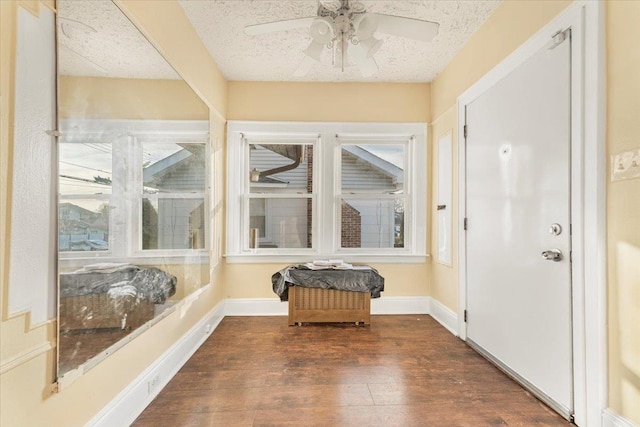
(365, 26)
(340, 23)
(370, 46)
(321, 30)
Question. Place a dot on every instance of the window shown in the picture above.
(372, 196)
(280, 193)
(132, 188)
(86, 176)
(299, 191)
(173, 195)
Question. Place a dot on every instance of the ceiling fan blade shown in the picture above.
(305, 66)
(410, 28)
(287, 24)
(368, 67)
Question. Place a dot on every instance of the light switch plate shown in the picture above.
(625, 165)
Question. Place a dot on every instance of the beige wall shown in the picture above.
(623, 208)
(254, 280)
(135, 99)
(327, 102)
(27, 355)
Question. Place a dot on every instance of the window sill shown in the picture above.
(80, 261)
(350, 258)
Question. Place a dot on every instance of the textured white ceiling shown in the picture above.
(275, 56)
(96, 39)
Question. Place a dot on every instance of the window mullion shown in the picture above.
(135, 193)
(121, 197)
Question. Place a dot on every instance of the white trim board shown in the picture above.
(255, 307)
(25, 356)
(444, 315)
(274, 307)
(613, 419)
(133, 399)
(588, 164)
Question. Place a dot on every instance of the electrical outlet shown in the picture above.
(625, 165)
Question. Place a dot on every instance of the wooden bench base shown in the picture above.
(317, 305)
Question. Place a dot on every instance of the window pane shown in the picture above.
(372, 223)
(83, 225)
(173, 168)
(286, 223)
(257, 218)
(373, 168)
(281, 168)
(85, 168)
(173, 224)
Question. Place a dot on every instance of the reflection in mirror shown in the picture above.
(133, 180)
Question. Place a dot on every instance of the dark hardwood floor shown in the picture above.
(400, 371)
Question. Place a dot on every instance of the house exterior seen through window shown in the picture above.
(325, 190)
(373, 197)
(280, 194)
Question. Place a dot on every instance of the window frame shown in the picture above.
(326, 192)
(125, 225)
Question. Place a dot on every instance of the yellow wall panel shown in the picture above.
(134, 99)
(623, 208)
(329, 102)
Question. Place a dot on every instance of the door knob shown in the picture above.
(552, 255)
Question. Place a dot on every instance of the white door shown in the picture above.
(518, 206)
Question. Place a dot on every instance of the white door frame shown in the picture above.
(588, 184)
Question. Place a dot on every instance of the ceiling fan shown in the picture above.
(347, 30)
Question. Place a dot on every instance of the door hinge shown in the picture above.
(559, 37)
(464, 131)
(465, 226)
(465, 316)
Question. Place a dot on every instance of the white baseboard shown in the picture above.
(400, 305)
(255, 307)
(444, 315)
(612, 419)
(274, 307)
(133, 399)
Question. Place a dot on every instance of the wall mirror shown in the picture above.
(133, 168)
